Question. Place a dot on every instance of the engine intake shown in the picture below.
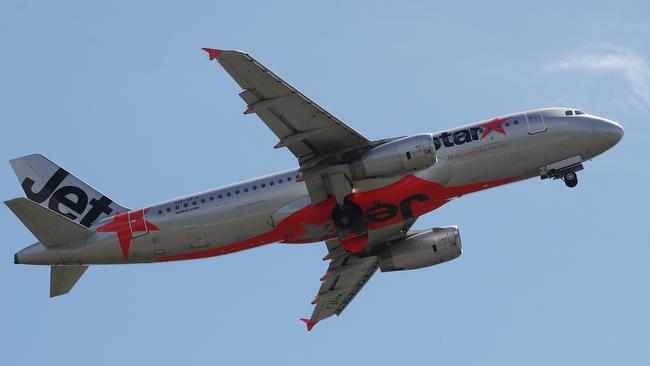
(400, 156)
(423, 249)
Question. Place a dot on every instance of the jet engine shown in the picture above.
(422, 249)
(400, 156)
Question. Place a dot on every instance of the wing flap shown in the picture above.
(346, 275)
(342, 290)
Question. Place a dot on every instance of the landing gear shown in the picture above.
(565, 169)
(570, 179)
(348, 219)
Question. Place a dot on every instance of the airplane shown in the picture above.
(360, 196)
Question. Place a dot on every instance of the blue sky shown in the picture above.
(121, 94)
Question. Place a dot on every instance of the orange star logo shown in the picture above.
(494, 125)
(125, 224)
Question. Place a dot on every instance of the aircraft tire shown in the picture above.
(570, 179)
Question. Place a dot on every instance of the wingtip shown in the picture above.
(310, 324)
(212, 53)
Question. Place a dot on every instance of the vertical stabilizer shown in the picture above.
(53, 187)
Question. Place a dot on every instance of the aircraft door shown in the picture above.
(138, 225)
(535, 122)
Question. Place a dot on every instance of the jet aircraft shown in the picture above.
(360, 196)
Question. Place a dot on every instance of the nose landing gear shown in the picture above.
(565, 169)
(570, 179)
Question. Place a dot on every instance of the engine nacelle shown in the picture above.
(400, 156)
(423, 249)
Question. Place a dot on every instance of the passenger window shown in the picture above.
(271, 183)
(245, 189)
(254, 187)
(263, 185)
(288, 179)
(159, 212)
(280, 181)
(220, 196)
(169, 209)
(228, 194)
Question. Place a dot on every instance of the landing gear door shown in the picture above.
(535, 122)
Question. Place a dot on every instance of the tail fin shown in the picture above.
(49, 227)
(63, 278)
(51, 186)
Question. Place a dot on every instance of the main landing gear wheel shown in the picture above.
(348, 219)
(570, 179)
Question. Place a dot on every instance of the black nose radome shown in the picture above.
(16, 261)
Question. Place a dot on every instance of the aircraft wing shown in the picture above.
(300, 124)
(348, 273)
(345, 277)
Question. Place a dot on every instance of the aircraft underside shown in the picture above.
(360, 196)
(398, 203)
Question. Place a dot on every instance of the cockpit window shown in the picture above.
(569, 113)
(579, 112)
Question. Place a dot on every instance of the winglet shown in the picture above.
(212, 52)
(310, 323)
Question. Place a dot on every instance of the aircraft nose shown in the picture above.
(612, 130)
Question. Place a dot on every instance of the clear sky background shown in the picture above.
(121, 94)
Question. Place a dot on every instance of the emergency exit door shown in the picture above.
(535, 122)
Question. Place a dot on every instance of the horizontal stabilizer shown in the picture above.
(49, 227)
(63, 278)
